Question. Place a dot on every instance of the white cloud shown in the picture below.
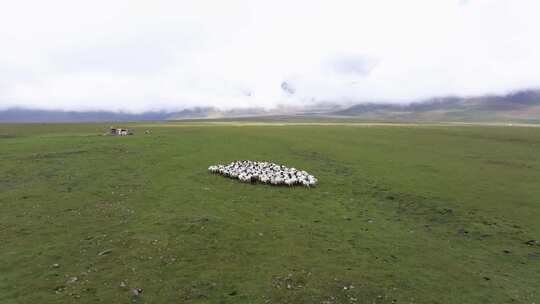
(142, 55)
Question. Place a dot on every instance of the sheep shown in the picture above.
(266, 172)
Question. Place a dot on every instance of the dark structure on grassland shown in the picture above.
(120, 132)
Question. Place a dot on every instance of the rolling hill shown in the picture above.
(521, 106)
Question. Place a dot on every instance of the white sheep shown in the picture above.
(265, 172)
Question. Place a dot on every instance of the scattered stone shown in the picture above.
(463, 231)
(59, 289)
(104, 252)
(123, 284)
(72, 280)
(135, 292)
(446, 211)
(55, 265)
(532, 243)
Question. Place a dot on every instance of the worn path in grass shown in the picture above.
(431, 214)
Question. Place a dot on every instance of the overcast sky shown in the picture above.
(135, 55)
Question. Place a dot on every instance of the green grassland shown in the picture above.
(402, 214)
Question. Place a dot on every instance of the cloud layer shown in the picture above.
(135, 56)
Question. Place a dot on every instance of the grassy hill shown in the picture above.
(403, 214)
(518, 107)
(522, 106)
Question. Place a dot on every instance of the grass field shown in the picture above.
(402, 214)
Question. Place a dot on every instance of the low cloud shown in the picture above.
(351, 64)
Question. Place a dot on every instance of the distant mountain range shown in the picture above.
(521, 106)
(27, 115)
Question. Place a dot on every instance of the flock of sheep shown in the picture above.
(265, 172)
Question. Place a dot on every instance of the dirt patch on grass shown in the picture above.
(7, 136)
(442, 216)
(57, 154)
(511, 164)
(306, 287)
